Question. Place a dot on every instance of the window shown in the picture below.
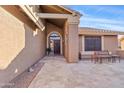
(92, 43)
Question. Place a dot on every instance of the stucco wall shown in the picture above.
(111, 43)
(122, 44)
(65, 29)
(20, 46)
(73, 43)
(121, 53)
(53, 28)
(80, 43)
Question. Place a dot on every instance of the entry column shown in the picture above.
(73, 42)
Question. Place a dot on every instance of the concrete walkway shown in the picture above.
(56, 72)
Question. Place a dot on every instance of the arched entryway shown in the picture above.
(54, 42)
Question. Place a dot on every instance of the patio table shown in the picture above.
(101, 57)
(114, 57)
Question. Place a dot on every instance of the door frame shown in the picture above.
(61, 45)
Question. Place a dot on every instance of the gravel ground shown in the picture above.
(24, 79)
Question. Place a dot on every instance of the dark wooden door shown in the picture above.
(56, 46)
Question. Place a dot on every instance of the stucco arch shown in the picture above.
(61, 50)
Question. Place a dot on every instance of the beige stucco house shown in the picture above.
(28, 30)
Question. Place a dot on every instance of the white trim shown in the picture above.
(61, 49)
(102, 39)
(29, 11)
(83, 44)
(53, 15)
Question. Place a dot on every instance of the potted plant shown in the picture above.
(48, 50)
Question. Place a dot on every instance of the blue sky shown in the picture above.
(101, 16)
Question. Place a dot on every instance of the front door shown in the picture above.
(56, 46)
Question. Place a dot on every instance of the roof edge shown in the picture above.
(70, 10)
(117, 31)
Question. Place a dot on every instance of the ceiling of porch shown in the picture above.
(54, 9)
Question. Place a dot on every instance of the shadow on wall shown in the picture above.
(30, 53)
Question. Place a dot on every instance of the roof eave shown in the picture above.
(73, 12)
(103, 31)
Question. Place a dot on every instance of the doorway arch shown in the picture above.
(55, 36)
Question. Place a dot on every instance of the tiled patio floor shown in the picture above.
(56, 72)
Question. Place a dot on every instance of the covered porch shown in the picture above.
(58, 21)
